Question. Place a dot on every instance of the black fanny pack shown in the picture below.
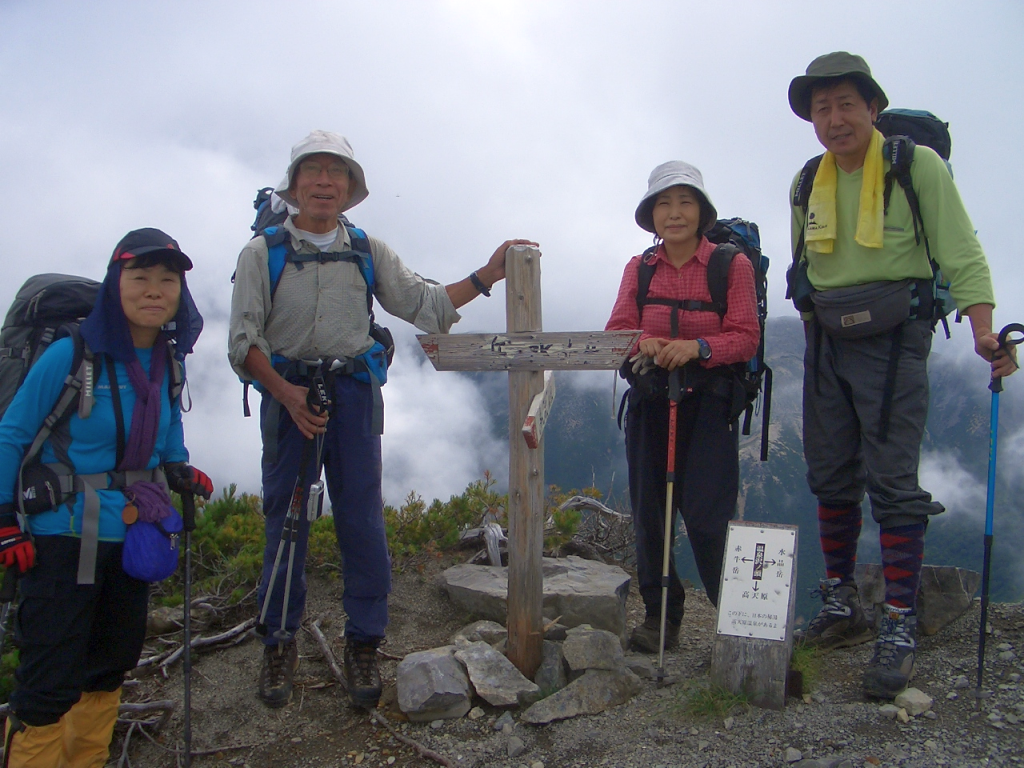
(865, 310)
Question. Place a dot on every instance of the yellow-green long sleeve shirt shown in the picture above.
(951, 237)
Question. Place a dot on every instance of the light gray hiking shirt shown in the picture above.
(319, 311)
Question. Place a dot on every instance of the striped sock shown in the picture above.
(839, 529)
(902, 556)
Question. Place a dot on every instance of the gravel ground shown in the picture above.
(833, 726)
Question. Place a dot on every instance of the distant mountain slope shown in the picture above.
(583, 447)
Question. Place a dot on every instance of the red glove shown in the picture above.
(16, 549)
(182, 478)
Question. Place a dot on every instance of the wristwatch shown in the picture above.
(705, 349)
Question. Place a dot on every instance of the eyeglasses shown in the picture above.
(313, 169)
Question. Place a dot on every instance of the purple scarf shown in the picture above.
(146, 415)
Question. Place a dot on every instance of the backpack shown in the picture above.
(371, 366)
(731, 236)
(46, 308)
(904, 129)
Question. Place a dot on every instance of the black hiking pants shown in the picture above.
(706, 485)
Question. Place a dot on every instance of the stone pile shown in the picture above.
(584, 674)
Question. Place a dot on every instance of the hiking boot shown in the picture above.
(645, 637)
(278, 673)
(840, 623)
(893, 663)
(362, 674)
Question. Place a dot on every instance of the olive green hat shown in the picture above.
(837, 64)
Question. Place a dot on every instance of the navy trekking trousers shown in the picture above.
(351, 458)
(706, 485)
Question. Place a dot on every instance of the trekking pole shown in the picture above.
(317, 399)
(674, 393)
(188, 507)
(996, 385)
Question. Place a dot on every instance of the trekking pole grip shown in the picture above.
(1007, 342)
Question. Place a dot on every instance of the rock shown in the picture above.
(577, 590)
(551, 675)
(495, 679)
(432, 685)
(961, 682)
(475, 713)
(490, 632)
(596, 691)
(641, 666)
(888, 711)
(164, 620)
(793, 754)
(506, 718)
(914, 701)
(945, 593)
(903, 716)
(556, 633)
(1007, 656)
(515, 746)
(587, 648)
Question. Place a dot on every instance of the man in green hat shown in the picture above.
(864, 284)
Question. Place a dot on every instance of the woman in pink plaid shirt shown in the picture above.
(683, 330)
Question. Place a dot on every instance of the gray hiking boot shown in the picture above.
(277, 674)
(645, 637)
(840, 623)
(362, 674)
(892, 666)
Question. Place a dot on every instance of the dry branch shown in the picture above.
(332, 664)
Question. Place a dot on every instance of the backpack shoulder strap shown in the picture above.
(278, 244)
(361, 245)
(644, 275)
(802, 197)
(718, 275)
(899, 151)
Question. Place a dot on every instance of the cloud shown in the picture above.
(960, 493)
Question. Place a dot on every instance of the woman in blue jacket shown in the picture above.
(82, 619)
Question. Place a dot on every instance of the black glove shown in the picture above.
(183, 478)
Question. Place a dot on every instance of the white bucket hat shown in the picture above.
(325, 142)
(671, 174)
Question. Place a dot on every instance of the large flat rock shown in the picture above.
(945, 593)
(580, 591)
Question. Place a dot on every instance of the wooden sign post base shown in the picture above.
(756, 603)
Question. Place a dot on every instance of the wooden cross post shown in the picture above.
(526, 353)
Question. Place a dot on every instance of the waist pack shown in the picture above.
(151, 549)
(859, 311)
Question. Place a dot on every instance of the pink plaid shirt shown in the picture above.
(733, 339)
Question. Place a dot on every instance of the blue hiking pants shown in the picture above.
(351, 460)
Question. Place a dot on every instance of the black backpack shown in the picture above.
(904, 129)
(731, 236)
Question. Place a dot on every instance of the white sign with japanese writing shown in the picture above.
(758, 576)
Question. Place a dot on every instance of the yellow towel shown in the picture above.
(821, 208)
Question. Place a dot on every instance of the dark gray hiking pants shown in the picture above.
(842, 412)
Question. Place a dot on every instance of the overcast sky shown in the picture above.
(475, 121)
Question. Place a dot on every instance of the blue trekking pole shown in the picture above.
(996, 385)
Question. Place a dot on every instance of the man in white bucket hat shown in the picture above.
(303, 294)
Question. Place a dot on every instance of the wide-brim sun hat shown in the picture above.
(674, 173)
(150, 240)
(324, 142)
(836, 64)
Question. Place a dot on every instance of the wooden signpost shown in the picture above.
(754, 641)
(526, 353)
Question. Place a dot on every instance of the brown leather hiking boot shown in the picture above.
(841, 622)
(362, 674)
(892, 666)
(645, 637)
(277, 675)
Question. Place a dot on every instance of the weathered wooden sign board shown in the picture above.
(526, 353)
(756, 603)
